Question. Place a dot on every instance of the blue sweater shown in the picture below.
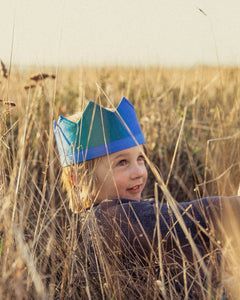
(128, 223)
(132, 233)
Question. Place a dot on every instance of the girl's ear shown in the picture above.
(73, 177)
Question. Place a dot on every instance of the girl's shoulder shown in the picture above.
(123, 203)
(125, 208)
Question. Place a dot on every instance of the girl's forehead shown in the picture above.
(128, 151)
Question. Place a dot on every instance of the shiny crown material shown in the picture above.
(98, 132)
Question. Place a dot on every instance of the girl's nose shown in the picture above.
(138, 170)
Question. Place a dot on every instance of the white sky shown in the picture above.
(165, 32)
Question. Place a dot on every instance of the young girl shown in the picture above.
(103, 157)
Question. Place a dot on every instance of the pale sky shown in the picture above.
(163, 32)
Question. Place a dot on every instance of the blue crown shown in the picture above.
(98, 132)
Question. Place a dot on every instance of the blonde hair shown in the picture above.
(80, 183)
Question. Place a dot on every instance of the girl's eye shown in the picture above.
(141, 158)
(122, 162)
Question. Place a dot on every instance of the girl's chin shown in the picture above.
(131, 197)
(127, 196)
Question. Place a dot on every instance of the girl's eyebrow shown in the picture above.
(119, 156)
(124, 155)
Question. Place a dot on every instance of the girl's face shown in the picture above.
(122, 174)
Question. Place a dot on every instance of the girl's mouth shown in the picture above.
(135, 189)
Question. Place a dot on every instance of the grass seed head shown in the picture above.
(29, 86)
(9, 103)
(3, 70)
(41, 76)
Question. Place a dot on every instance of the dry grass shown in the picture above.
(190, 118)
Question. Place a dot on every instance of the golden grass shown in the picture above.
(190, 118)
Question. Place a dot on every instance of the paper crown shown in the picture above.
(98, 132)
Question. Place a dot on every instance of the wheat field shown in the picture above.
(190, 118)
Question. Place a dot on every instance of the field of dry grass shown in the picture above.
(190, 118)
